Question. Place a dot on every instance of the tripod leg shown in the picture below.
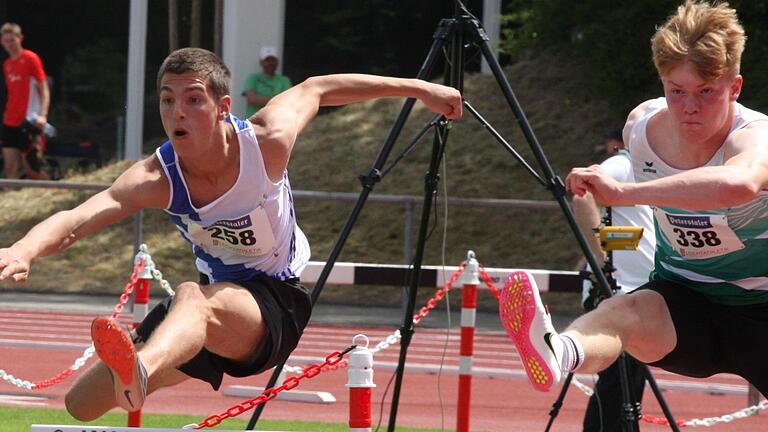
(406, 330)
(554, 184)
(659, 397)
(629, 409)
(368, 181)
(559, 401)
(453, 77)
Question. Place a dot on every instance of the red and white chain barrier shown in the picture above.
(270, 393)
(358, 414)
(361, 374)
(711, 421)
(143, 270)
(87, 354)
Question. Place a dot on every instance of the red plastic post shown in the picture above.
(466, 351)
(140, 311)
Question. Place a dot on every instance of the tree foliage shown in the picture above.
(612, 41)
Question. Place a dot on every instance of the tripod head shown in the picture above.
(611, 238)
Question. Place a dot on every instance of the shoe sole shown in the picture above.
(517, 308)
(114, 348)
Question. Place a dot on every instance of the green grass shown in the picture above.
(20, 420)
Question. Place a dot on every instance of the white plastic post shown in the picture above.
(360, 384)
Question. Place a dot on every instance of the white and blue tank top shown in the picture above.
(249, 230)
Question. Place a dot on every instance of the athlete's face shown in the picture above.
(699, 109)
(190, 113)
(12, 43)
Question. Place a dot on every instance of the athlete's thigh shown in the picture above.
(236, 326)
(652, 335)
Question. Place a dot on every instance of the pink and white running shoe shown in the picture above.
(528, 323)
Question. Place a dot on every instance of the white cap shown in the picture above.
(267, 51)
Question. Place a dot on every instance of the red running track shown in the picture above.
(36, 345)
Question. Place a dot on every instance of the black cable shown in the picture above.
(384, 396)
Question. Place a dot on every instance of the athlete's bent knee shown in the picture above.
(187, 289)
(649, 326)
(623, 308)
(190, 297)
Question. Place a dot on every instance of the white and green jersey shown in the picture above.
(721, 253)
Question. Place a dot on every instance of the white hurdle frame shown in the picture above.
(345, 273)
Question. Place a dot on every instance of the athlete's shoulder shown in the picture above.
(642, 109)
(638, 113)
(144, 180)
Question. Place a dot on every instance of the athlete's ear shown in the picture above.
(736, 84)
(225, 105)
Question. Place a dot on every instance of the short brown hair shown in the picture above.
(710, 37)
(202, 62)
(10, 27)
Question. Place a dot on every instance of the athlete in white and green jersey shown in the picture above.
(701, 159)
(715, 251)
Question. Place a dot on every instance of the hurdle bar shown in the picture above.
(344, 273)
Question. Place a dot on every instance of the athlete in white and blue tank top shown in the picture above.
(251, 229)
(720, 252)
(223, 182)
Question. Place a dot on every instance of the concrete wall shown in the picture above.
(249, 25)
(492, 26)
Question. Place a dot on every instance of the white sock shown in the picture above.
(573, 354)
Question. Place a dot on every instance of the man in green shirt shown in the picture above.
(261, 87)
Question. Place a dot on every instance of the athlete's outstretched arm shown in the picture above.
(286, 115)
(739, 180)
(139, 187)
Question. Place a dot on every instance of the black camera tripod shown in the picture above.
(453, 35)
(630, 408)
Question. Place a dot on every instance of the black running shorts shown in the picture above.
(15, 137)
(285, 307)
(714, 338)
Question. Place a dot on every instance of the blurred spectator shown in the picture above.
(262, 86)
(26, 109)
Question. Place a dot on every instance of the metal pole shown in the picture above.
(218, 23)
(408, 234)
(173, 26)
(137, 43)
(138, 222)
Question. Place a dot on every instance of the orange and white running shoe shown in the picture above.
(114, 347)
(528, 323)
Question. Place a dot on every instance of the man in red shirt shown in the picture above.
(27, 106)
